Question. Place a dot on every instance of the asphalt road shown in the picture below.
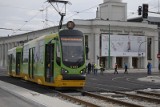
(9, 100)
(119, 82)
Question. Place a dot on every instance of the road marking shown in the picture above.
(118, 78)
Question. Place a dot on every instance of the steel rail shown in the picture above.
(149, 93)
(155, 100)
(77, 100)
(111, 99)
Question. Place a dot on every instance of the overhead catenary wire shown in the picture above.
(78, 12)
(27, 21)
(12, 29)
(20, 29)
(81, 12)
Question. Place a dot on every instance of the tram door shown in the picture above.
(31, 63)
(49, 62)
(18, 58)
(10, 63)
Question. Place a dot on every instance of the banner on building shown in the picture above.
(123, 45)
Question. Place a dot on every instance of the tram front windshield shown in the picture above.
(72, 51)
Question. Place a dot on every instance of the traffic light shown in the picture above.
(140, 10)
(145, 11)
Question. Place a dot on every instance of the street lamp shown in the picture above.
(140, 54)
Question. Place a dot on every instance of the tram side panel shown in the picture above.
(11, 62)
(14, 61)
(29, 65)
(51, 68)
(39, 61)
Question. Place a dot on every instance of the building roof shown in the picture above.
(140, 19)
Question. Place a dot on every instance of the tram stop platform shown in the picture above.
(34, 97)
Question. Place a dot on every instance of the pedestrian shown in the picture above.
(149, 67)
(115, 68)
(89, 68)
(102, 68)
(126, 68)
(95, 69)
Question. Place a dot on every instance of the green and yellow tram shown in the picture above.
(56, 60)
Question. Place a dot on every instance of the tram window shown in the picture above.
(58, 54)
(58, 51)
(41, 54)
(25, 54)
(14, 58)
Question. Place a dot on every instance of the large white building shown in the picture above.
(131, 43)
(109, 37)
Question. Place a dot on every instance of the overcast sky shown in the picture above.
(20, 16)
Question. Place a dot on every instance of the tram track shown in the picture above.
(118, 99)
(91, 99)
(140, 97)
(149, 93)
(76, 100)
(110, 100)
(94, 98)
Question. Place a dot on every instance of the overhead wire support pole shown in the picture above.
(60, 13)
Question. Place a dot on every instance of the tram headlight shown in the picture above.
(82, 71)
(64, 71)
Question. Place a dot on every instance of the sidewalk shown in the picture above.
(35, 97)
(130, 71)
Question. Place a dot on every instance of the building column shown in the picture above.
(9, 46)
(1, 55)
(12, 45)
(130, 62)
(97, 49)
(155, 52)
(16, 44)
(5, 55)
(145, 62)
(113, 61)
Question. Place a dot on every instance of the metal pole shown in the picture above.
(158, 6)
(109, 62)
